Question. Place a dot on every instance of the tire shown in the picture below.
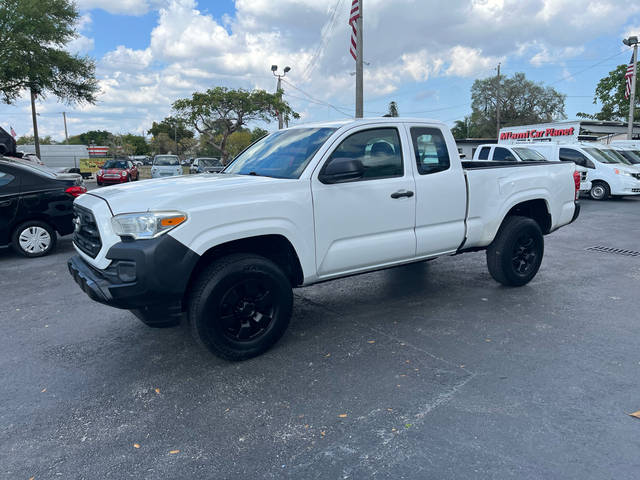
(230, 301)
(599, 191)
(156, 318)
(515, 255)
(34, 239)
(99, 183)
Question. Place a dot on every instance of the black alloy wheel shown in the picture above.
(247, 309)
(525, 254)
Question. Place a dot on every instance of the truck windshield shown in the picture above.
(599, 155)
(283, 154)
(529, 155)
(166, 161)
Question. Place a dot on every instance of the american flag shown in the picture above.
(353, 18)
(13, 132)
(628, 77)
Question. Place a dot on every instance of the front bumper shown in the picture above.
(112, 180)
(142, 273)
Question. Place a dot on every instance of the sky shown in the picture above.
(422, 54)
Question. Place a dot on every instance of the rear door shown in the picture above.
(441, 192)
(9, 201)
(369, 221)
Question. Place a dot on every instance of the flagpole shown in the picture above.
(632, 95)
(359, 65)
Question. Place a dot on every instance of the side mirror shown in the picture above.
(340, 170)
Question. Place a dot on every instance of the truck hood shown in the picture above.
(178, 193)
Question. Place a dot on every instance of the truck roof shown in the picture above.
(353, 122)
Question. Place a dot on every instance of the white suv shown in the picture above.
(166, 166)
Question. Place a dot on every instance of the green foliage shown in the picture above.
(463, 129)
(135, 144)
(29, 140)
(33, 34)
(610, 94)
(522, 102)
(171, 126)
(257, 133)
(219, 112)
(97, 137)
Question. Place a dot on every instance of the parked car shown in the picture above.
(206, 165)
(166, 166)
(530, 152)
(117, 171)
(35, 206)
(305, 205)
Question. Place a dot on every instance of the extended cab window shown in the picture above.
(484, 153)
(430, 149)
(378, 149)
(503, 155)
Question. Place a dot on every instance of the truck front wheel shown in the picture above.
(515, 255)
(240, 306)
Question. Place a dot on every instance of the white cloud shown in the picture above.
(126, 7)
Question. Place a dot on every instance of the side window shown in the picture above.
(431, 150)
(378, 149)
(571, 155)
(503, 155)
(5, 179)
(484, 153)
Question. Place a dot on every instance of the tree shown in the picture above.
(219, 112)
(29, 140)
(33, 34)
(96, 137)
(463, 128)
(163, 143)
(173, 127)
(610, 93)
(393, 110)
(522, 102)
(257, 133)
(135, 144)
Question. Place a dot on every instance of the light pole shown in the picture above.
(632, 41)
(274, 70)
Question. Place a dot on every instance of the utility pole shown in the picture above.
(274, 70)
(498, 105)
(36, 139)
(632, 96)
(66, 134)
(359, 65)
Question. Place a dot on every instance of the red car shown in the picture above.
(117, 171)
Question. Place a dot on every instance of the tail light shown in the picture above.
(576, 181)
(76, 190)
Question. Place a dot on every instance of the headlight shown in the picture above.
(621, 172)
(146, 225)
(123, 173)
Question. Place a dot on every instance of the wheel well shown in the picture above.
(535, 209)
(274, 247)
(36, 218)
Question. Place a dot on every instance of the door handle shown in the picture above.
(402, 193)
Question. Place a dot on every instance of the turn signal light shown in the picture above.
(172, 221)
(76, 191)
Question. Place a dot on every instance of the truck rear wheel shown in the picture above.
(240, 306)
(515, 255)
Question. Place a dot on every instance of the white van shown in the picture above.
(166, 166)
(632, 154)
(606, 172)
(523, 152)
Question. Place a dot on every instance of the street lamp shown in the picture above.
(632, 42)
(274, 70)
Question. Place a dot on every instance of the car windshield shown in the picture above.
(209, 162)
(616, 155)
(599, 155)
(121, 164)
(166, 161)
(529, 155)
(283, 154)
(632, 157)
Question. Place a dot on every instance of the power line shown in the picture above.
(315, 99)
(572, 75)
(325, 34)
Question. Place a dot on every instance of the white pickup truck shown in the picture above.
(305, 205)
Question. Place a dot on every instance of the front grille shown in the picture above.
(86, 236)
(635, 190)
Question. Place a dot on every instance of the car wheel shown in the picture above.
(515, 255)
(240, 306)
(34, 239)
(599, 191)
(98, 183)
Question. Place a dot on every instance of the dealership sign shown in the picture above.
(544, 132)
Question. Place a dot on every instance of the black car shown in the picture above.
(35, 205)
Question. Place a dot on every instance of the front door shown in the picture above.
(368, 221)
(9, 199)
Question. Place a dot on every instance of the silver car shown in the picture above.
(206, 165)
(166, 166)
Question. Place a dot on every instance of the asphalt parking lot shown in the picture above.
(427, 371)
